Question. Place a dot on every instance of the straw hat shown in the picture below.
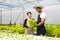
(40, 6)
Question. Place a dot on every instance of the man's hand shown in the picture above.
(42, 21)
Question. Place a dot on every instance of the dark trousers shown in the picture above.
(41, 30)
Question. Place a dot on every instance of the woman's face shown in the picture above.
(29, 15)
(38, 10)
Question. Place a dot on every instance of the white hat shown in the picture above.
(38, 6)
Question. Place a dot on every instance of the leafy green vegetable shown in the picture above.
(52, 29)
(32, 23)
(15, 28)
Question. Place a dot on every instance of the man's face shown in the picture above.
(39, 10)
(29, 15)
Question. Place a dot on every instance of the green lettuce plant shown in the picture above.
(32, 23)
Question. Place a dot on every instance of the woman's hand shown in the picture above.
(38, 25)
(42, 21)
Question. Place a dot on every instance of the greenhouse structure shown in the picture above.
(14, 12)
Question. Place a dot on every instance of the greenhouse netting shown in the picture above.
(14, 11)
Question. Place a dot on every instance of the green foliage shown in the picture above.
(53, 29)
(15, 28)
(32, 23)
(17, 36)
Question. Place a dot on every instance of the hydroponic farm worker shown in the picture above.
(40, 20)
(26, 24)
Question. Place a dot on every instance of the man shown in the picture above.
(40, 20)
(28, 30)
(29, 16)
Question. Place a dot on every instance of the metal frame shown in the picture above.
(19, 6)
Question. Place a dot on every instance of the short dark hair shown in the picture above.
(29, 13)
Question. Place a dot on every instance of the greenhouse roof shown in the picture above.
(25, 3)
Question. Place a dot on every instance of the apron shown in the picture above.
(28, 30)
(40, 29)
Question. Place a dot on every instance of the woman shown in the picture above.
(26, 24)
(40, 20)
